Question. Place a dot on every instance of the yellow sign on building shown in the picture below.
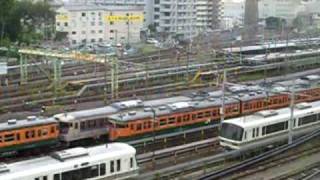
(62, 17)
(124, 18)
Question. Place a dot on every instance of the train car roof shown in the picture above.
(60, 160)
(86, 114)
(29, 122)
(172, 108)
(269, 116)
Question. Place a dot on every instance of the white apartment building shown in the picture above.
(286, 9)
(146, 4)
(176, 17)
(232, 13)
(92, 23)
(208, 14)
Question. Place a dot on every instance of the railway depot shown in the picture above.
(133, 90)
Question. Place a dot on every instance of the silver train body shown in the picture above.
(269, 127)
(111, 161)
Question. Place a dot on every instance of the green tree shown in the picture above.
(26, 21)
(6, 7)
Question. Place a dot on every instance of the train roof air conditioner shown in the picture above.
(70, 154)
(303, 105)
(267, 113)
(4, 168)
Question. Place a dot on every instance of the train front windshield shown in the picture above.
(231, 131)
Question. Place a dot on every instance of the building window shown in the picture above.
(65, 24)
(93, 40)
(93, 31)
(74, 42)
(100, 31)
(100, 23)
(73, 32)
(100, 39)
(58, 23)
(111, 31)
(83, 14)
(111, 22)
(93, 23)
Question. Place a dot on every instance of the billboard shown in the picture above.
(117, 18)
(62, 17)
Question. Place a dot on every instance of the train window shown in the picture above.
(172, 120)
(101, 122)
(231, 131)
(194, 116)
(56, 177)
(257, 132)
(139, 127)
(0, 138)
(149, 124)
(111, 166)
(75, 125)
(118, 165)
(131, 162)
(44, 132)
(186, 117)
(264, 131)
(45, 178)
(207, 114)
(18, 136)
(132, 126)
(308, 119)
(179, 119)
(276, 127)
(83, 125)
(94, 171)
(245, 135)
(94, 124)
(37, 178)
(9, 137)
(200, 115)
(253, 132)
(102, 169)
(145, 125)
(39, 133)
(214, 113)
(163, 122)
(52, 129)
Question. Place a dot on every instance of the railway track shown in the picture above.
(218, 165)
(271, 156)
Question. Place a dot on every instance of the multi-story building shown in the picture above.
(146, 4)
(92, 23)
(208, 14)
(286, 9)
(176, 17)
(232, 13)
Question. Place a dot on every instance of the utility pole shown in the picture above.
(222, 110)
(105, 80)
(290, 123)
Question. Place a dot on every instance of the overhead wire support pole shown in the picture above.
(291, 120)
(56, 76)
(222, 110)
(105, 99)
